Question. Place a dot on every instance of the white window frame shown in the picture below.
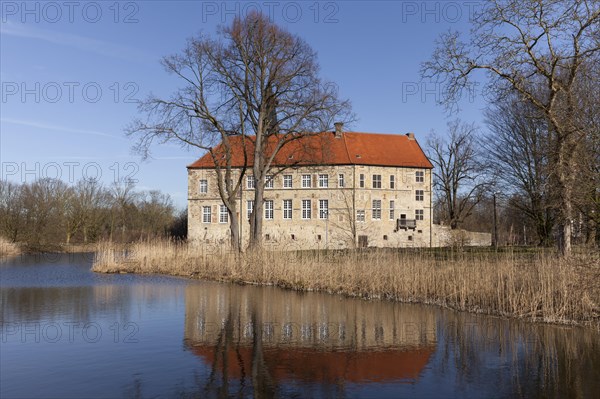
(287, 181)
(269, 180)
(419, 214)
(323, 209)
(361, 180)
(287, 209)
(306, 210)
(203, 186)
(207, 214)
(419, 195)
(306, 181)
(223, 214)
(269, 210)
(392, 182)
(376, 183)
(360, 215)
(341, 181)
(392, 209)
(419, 176)
(250, 182)
(376, 209)
(249, 208)
(323, 181)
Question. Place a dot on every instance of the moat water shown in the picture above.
(69, 333)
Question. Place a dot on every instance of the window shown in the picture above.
(341, 182)
(419, 195)
(287, 181)
(323, 209)
(419, 176)
(306, 181)
(250, 207)
(250, 182)
(269, 181)
(392, 210)
(287, 209)
(203, 186)
(376, 209)
(269, 209)
(376, 181)
(223, 214)
(323, 181)
(306, 209)
(360, 215)
(392, 182)
(206, 214)
(419, 214)
(361, 180)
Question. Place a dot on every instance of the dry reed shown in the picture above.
(537, 287)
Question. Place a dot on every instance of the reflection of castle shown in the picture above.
(313, 338)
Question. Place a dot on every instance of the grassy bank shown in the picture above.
(8, 249)
(534, 286)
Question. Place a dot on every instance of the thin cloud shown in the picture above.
(64, 129)
(72, 40)
(172, 158)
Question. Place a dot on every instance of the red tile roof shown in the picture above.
(325, 149)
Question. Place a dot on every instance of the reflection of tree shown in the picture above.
(261, 379)
(256, 341)
(538, 360)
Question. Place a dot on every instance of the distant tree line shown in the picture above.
(49, 212)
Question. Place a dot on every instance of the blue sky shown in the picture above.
(72, 71)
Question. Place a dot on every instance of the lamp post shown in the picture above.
(495, 242)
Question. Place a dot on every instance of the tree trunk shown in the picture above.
(255, 241)
(234, 228)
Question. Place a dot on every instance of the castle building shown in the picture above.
(328, 190)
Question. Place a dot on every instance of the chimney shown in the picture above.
(338, 129)
(411, 136)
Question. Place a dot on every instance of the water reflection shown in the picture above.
(265, 342)
(270, 342)
(264, 337)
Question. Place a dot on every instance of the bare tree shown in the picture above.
(43, 206)
(257, 81)
(521, 44)
(517, 147)
(122, 199)
(458, 175)
(11, 210)
(91, 198)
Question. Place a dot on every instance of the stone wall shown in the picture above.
(443, 236)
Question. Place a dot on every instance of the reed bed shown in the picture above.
(537, 287)
(8, 249)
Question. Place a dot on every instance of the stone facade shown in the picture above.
(333, 207)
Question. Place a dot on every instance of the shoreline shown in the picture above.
(539, 288)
